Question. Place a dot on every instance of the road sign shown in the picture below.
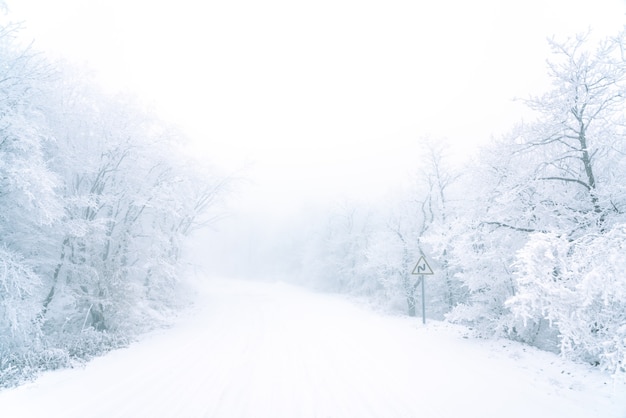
(422, 267)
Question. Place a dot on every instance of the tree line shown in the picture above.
(528, 238)
(96, 200)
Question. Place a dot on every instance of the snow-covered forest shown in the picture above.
(96, 200)
(99, 200)
(527, 238)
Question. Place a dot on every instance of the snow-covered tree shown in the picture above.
(29, 205)
(579, 204)
(579, 286)
(528, 239)
(557, 176)
(418, 225)
(437, 198)
(371, 251)
(129, 203)
(340, 252)
(578, 137)
(488, 225)
(392, 255)
(95, 204)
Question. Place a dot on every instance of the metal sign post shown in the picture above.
(423, 302)
(422, 268)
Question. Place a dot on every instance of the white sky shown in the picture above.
(325, 98)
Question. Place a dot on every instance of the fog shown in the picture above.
(462, 161)
(314, 104)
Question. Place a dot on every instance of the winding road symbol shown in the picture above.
(422, 267)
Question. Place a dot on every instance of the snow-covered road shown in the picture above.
(270, 350)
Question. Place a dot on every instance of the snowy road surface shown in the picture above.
(270, 350)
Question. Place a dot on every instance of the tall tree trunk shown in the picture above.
(55, 280)
(411, 301)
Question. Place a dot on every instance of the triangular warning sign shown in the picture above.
(422, 267)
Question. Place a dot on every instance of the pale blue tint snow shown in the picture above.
(269, 350)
